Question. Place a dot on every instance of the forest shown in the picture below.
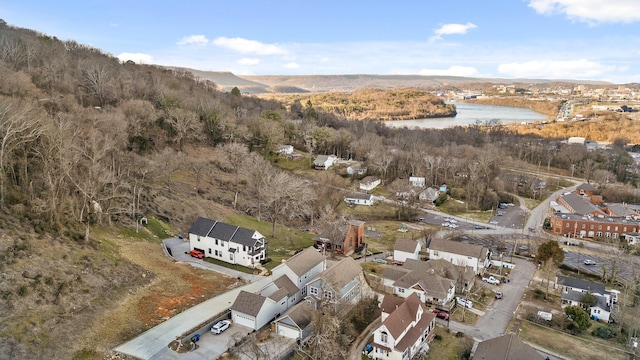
(88, 142)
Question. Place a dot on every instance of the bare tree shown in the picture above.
(183, 122)
(19, 125)
(96, 81)
(327, 342)
(236, 154)
(288, 197)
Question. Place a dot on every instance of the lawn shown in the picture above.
(447, 345)
(283, 245)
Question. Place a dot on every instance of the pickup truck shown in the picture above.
(491, 280)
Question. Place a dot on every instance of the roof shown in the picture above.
(369, 180)
(579, 205)
(360, 196)
(304, 261)
(455, 247)
(390, 303)
(222, 231)
(572, 295)
(299, 315)
(505, 347)
(431, 283)
(406, 312)
(283, 282)
(618, 209)
(248, 303)
(341, 273)
(406, 245)
(581, 284)
(586, 186)
(395, 272)
(416, 331)
(448, 270)
(337, 230)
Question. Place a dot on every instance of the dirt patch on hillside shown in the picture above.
(176, 287)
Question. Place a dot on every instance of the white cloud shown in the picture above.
(591, 11)
(569, 69)
(197, 40)
(291, 65)
(249, 61)
(452, 71)
(139, 58)
(245, 46)
(452, 29)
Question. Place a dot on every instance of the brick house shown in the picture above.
(575, 225)
(343, 236)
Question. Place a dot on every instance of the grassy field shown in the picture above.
(447, 346)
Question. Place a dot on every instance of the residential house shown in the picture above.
(323, 162)
(419, 181)
(357, 169)
(285, 150)
(406, 249)
(228, 243)
(341, 237)
(337, 287)
(299, 270)
(505, 347)
(600, 311)
(429, 195)
(570, 284)
(405, 330)
(462, 254)
(428, 286)
(369, 183)
(296, 322)
(462, 276)
(359, 199)
(255, 311)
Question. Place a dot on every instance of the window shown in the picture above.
(384, 337)
(566, 225)
(328, 294)
(401, 290)
(435, 252)
(217, 242)
(591, 227)
(231, 256)
(198, 238)
(313, 290)
(584, 226)
(209, 250)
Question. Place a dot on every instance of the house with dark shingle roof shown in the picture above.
(406, 328)
(576, 204)
(339, 285)
(505, 347)
(298, 270)
(228, 243)
(574, 289)
(405, 249)
(461, 254)
(427, 285)
(341, 237)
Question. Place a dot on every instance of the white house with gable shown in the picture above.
(458, 253)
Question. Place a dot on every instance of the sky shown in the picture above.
(538, 39)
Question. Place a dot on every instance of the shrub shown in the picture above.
(604, 332)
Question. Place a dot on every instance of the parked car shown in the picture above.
(441, 314)
(196, 254)
(498, 295)
(380, 261)
(491, 280)
(493, 222)
(220, 326)
(464, 302)
(590, 262)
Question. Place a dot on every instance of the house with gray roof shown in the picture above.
(228, 243)
(461, 254)
(405, 249)
(600, 311)
(505, 347)
(338, 286)
(359, 199)
(323, 162)
(299, 270)
(569, 284)
(407, 326)
(255, 311)
(296, 322)
(427, 285)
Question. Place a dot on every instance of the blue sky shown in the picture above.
(550, 39)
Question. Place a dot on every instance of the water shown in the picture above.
(469, 113)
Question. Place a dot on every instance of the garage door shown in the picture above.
(244, 320)
(287, 331)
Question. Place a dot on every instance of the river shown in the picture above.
(470, 113)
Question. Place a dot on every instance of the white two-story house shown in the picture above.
(300, 269)
(406, 328)
(228, 243)
(458, 253)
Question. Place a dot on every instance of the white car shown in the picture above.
(493, 222)
(464, 302)
(491, 280)
(590, 262)
(220, 326)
